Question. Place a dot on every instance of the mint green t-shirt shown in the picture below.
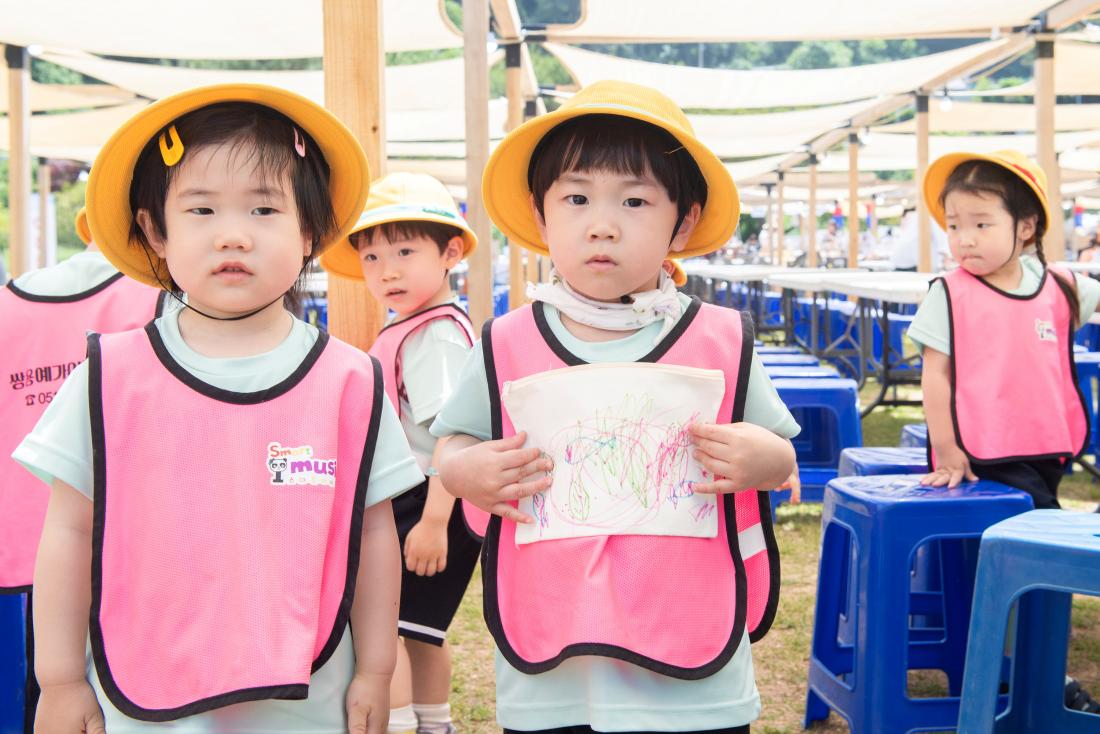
(60, 447)
(603, 693)
(931, 326)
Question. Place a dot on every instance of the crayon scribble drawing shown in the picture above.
(618, 435)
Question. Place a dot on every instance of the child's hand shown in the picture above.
(952, 467)
(491, 474)
(368, 703)
(740, 456)
(426, 547)
(71, 708)
(793, 483)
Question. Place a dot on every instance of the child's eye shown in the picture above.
(204, 211)
(577, 199)
(264, 211)
(405, 251)
(369, 257)
(634, 202)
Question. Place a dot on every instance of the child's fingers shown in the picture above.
(509, 512)
(519, 490)
(441, 564)
(717, 467)
(718, 486)
(509, 443)
(714, 448)
(529, 460)
(429, 568)
(357, 719)
(706, 430)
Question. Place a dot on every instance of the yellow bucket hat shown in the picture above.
(508, 198)
(936, 178)
(81, 225)
(108, 194)
(399, 197)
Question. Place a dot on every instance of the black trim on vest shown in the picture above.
(12, 590)
(95, 630)
(356, 532)
(573, 360)
(16, 290)
(162, 301)
(448, 305)
(954, 383)
(489, 554)
(229, 396)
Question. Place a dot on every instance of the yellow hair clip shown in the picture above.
(171, 154)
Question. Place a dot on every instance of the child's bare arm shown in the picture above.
(491, 474)
(952, 464)
(62, 600)
(425, 548)
(741, 456)
(374, 621)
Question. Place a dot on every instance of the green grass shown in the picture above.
(781, 658)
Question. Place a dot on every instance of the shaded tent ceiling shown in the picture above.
(48, 97)
(243, 29)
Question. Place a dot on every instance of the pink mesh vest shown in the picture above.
(43, 339)
(677, 606)
(227, 525)
(387, 350)
(1025, 406)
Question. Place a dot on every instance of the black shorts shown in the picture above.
(1039, 478)
(429, 603)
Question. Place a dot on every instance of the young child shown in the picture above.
(44, 315)
(219, 514)
(405, 244)
(996, 334)
(620, 631)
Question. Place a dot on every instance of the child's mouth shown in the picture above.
(600, 262)
(395, 293)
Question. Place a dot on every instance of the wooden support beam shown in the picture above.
(479, 281)
(19, 159)
(811, 225)
(853, 199)
(1054, 242)
(780, 229)
(513, 79)
(44, 256)
(1069, 12)
(354, 65)
(768, 223)
(924, 221)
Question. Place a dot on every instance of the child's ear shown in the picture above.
(687, 228)
(1027, 228)
(307, 244)
(149, 229)
(452, 254)
(540, 222)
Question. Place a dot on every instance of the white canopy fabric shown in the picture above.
(429, 86)
(623, 21)
(49, 97)
(209, 29)
(1075, 65)
(994, 117)
(701, 88)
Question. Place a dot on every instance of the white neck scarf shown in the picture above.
(644, 309)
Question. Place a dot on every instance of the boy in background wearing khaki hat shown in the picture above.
(404, 246)
(606, 628)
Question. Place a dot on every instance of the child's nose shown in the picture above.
(234, 239)
(603, 229)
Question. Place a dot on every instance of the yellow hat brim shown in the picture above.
(508, 198)
(343, 259)
(108, 193)
(935, 179)
(81, 226)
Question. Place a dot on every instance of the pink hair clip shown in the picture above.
(299, 144)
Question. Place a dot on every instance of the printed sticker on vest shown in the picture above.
(1045, 330)
(619, 438)
(299, 465)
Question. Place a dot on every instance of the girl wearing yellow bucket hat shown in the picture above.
(610, 186)
(243, 462)
(405, 244)
(997, 333)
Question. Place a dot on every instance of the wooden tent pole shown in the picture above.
(1054, 242)
(513, 80)
(355, 65)
(479, 281)
(44, 258)
(853, 199)
(811, 224)
(19, 159)
(924, 221)
(780, 222)
(768, 211)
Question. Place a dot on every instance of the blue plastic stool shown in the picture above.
(789, 371)
(828, 411)
(789, 360)
(914, 435)
(871, 528)
(873, 460)
(1088, 377)
(13, 662)
(779, 350)
(1040, 558)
